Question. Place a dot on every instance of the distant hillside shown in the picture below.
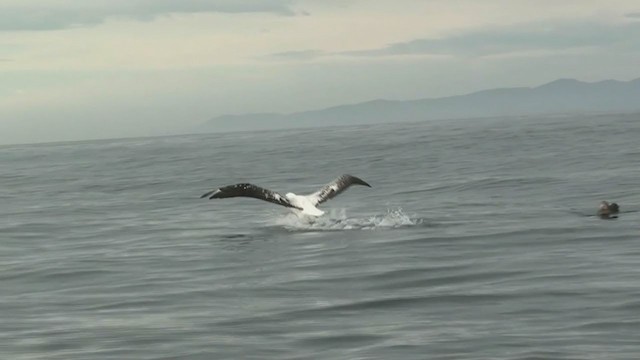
(564, 96)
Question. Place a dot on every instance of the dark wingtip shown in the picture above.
(359, 181)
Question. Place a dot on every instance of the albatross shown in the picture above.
(307, 204)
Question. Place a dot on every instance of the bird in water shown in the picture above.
(608, 210)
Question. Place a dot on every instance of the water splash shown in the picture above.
(335, 220)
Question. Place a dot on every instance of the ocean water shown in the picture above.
(478, 240)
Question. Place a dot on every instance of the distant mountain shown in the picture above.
(564, 96)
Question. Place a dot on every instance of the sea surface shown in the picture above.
(478, 240)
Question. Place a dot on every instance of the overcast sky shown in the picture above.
(75, 69)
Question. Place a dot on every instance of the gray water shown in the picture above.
(478, 240)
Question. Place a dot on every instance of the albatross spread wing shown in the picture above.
(336, 187)
(249, 190)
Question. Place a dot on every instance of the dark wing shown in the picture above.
(249, 190)
(335, 187)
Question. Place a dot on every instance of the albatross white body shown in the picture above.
(303, 204)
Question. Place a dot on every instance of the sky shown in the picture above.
(86, 69)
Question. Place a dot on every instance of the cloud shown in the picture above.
(513, 39)
(544, 37)
(299, 55)
(25, 15)
(139, 66)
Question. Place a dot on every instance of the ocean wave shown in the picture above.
(336, 220)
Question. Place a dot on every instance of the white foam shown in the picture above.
(338, 220)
